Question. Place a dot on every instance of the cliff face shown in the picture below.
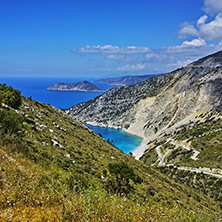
(79, 86)
(159, 105)
(115, 107)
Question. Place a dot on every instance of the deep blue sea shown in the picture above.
(36, 88)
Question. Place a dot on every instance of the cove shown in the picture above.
(122, 140)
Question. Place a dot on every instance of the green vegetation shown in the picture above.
(123, 179)
(10, 96)
(205, 137)
(55, 169)
(150, 157)
(10, 122)
(207, 184)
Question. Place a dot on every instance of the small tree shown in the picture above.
(10, 121)
(123, 178)
(10, 96)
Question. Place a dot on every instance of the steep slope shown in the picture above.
(115, 107)
(178, 115)
(53, 168)
(160, 104)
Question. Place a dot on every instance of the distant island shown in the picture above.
(124, 80)
(78, 86)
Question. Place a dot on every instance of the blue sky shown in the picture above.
(102, 38)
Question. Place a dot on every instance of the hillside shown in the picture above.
(124, 80)
(178, 115)
(78, 86)
(53, 168)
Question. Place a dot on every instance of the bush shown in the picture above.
(123, 178)
(123, 171)
(9, 96)
(10, 121)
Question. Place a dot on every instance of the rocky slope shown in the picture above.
(161, 106)
(79, 86)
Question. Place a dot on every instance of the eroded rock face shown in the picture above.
(160, 104)
(115, 107)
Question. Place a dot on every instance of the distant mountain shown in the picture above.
(124, 80)
(79, 86)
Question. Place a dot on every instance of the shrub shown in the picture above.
(10, 96)
(123, 178)
(10, 121)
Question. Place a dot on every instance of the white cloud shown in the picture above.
(189, 51)
(192, 47)
(153, 56)
(158, 56)
(195, 42)
(212, 6)
(211, 30)
(179, 64)
(129, 67)
(188, 29)
(202, 20)
(125, 58)
(112, 49)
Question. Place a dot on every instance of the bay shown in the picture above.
(124, 141)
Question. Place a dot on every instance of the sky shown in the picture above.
(105, 38)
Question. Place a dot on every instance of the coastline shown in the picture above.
(74, 90)
(138, 151)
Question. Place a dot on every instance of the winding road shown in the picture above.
(194, 157)
(159, 155)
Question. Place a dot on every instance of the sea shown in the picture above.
(36, 89)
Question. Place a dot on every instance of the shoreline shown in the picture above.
(90, 123)
(74, 90)
(137, 152)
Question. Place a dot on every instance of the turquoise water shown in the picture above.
(124, 141)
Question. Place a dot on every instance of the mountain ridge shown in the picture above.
(125, 80)
(159, 108)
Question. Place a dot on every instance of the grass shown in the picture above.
(150, 157)
(53, 169)
(207, 184)
(29, 196)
